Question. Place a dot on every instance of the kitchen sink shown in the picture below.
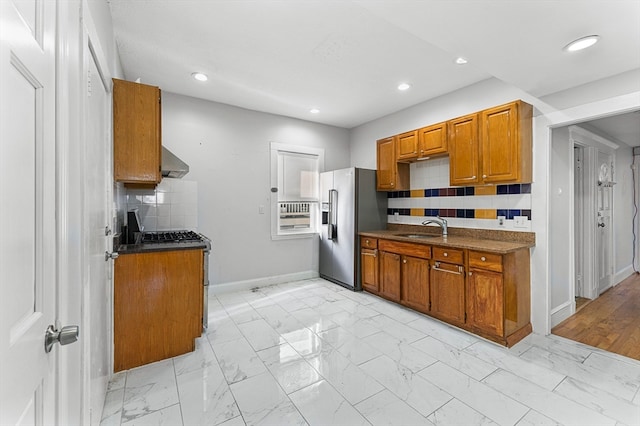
(417, 235)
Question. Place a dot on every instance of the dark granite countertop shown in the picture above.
(147, 248)
(493, 241)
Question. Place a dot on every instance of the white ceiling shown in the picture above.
(347, 57)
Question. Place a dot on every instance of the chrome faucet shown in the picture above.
(439, 221)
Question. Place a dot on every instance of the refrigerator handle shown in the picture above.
(332, 231)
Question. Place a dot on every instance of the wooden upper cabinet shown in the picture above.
(464, 150)
(432, 140)
(407, 146)
(390, 175)
(137, 143)
(492, 146)
(506, 143)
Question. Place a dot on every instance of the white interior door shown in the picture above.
(28, 289)
(96, 288)
(604, 233)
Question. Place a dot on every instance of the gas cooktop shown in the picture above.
(170, 237)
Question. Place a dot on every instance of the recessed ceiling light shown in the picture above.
(582, 43)
(403, 86)
(461, 61)
(199, 76)
(314, 110)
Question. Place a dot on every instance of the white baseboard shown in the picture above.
(622, 275)
(562, 312)
(261, 282)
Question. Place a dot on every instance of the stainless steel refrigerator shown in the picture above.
(349, 204)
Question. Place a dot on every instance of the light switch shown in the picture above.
(261, 209)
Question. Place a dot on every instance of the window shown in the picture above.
(295, 177)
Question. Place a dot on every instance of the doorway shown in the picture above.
(601, 222)
(593, 165)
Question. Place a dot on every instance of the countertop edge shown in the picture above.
(156, 247)
(454, 241)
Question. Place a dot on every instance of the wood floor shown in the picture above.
(610, 322)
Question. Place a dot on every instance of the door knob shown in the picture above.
(113, 255)
(601, 225)
(68, 334)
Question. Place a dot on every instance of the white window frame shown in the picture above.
(275, 149)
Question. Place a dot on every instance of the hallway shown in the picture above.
(610, 322)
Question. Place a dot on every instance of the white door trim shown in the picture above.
(92, 396)
(543, 125)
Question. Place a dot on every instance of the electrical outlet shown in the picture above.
(501, 220)
(520, 221)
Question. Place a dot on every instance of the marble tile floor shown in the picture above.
(312, 352)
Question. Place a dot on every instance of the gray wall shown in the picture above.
(227, 149)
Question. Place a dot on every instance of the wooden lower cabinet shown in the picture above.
(448, 292)
(157, 306)
(369, 269)
(486, 301)
(415, 283)
(493, 300)
(499, 295)
(390, 275)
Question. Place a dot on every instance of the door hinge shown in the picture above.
(89, 83)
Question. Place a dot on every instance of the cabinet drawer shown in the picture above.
(483, 260)
(368, 242)
(445, 254)
(416, 250)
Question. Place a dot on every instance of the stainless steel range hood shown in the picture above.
(172, 166)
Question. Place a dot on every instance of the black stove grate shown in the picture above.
(170, 236)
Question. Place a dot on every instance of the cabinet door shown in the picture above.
(432, 140)
(137, 147)
(415, 283)
(500, 144)
(407, 146)
(447, 292)
(390, 275)
(157, 306)
(485, 301)
(369, 269)
(464, 150)
(386, 171)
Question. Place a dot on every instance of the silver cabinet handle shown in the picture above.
(436, 268)
(66, 335)
(112, 255)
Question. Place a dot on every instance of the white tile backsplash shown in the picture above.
(172, 204)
